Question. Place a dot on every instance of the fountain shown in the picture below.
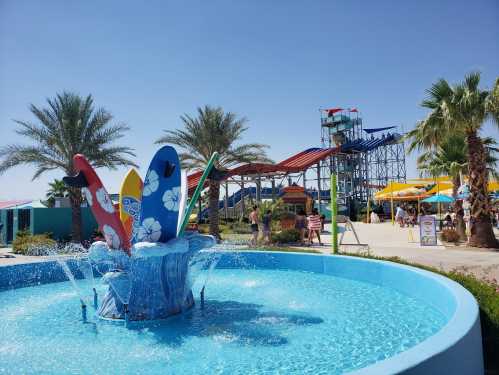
(266, 312)
(152, 283)
(145, 259)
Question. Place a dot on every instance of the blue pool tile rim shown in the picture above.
(456, 348)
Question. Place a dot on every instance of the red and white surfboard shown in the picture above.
(101, 204)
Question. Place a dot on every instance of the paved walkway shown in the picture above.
(387, 240)
(7, 258)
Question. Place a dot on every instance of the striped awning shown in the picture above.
(305, 159)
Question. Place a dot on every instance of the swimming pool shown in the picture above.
(264, 313)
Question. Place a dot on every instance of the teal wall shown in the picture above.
(56, 221)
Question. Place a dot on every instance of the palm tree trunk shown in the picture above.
(214, 196)
(75, 199)
(456, 182)
(482, 234)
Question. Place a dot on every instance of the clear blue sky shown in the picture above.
(275, 62)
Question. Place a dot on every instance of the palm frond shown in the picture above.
(213, 130)
(67, 126)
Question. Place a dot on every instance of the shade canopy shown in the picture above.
(439, 198)
(440, 186)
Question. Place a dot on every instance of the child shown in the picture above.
(314, 226)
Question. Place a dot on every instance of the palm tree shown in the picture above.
(68, 126)
(57, 188)
(214, 130)
(450, 159)
(463, 109)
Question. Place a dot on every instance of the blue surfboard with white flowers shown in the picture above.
(160, 198)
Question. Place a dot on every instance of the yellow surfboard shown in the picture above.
(130, 196)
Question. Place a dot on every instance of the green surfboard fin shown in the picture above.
(197, 192)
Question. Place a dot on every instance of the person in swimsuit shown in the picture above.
(253, 217)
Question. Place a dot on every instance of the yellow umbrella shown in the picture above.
(439, 186)
(394, 187)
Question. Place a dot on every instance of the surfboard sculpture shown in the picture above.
(160, 198)
(130, 196)
(101, 204)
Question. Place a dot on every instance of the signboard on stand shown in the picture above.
(428, 231)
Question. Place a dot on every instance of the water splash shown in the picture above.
(61, 256)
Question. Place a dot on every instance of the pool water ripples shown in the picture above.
(254, 322)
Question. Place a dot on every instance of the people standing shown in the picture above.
(467, 216)
(448, 223)
(253, 217)
(374, 218)
(301, 224)
(400, 216)
(314, 226)
(267, 226)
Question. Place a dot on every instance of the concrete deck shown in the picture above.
(7, 258)
(387, 240)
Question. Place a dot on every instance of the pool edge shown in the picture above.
(456, 348)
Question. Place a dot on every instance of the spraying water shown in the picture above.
(55, 252)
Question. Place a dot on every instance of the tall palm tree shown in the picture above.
(57, 188)
(450, 158)
(68, 126)
(214, 130)
(463, 109)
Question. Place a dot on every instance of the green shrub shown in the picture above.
(38, 244)
(286, 236)
(23, 233)
(449, 235)
(277, 208)
(487, 296)
(239, 228)
(205, 228)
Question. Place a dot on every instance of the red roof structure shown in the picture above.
(305, 159)
(14, 203)
(253, 169)
(193, 181)
(296, 163)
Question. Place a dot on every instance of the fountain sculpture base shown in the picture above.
(151, 284)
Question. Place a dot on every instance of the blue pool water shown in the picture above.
(254, 322)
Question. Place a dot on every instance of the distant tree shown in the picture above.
(69, 125)
(463, 108)
(57, 189)
(214, 130)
